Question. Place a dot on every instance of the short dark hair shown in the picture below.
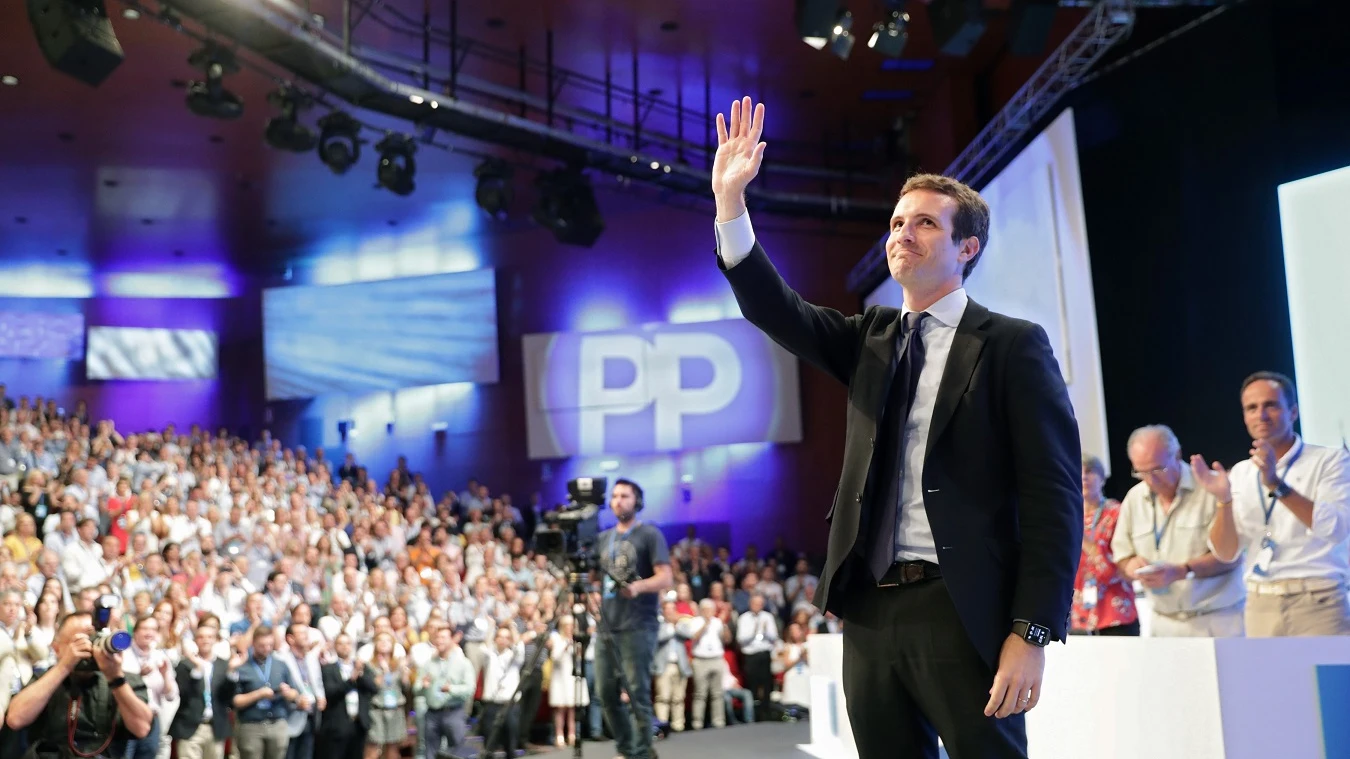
(262, 631)
(1286, 385)
(637, 489)
(972, 213)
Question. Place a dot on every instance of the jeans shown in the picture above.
(147, 747)
(747, 705)
(448, 724)
(596, 727)
(624, 660)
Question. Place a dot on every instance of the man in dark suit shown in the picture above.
(202, 723)
(348, 685)
(955, 533)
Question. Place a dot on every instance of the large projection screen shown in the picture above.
(135, 353)
(1037, 267)
(1315, 224)
(384, 335)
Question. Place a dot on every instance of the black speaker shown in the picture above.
(1029, 25)
(76, 38)
(957, 25)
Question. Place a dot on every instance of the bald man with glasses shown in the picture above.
(1162, 538)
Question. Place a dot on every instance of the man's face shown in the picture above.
(442, 641)
(262, 646)
(343, 646)
(206, 640)
(278, 584)
(623, 502)
(69, 630)
(1266, 412)
(1155, 466)
(919, 251)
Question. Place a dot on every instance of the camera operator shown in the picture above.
(111, 708)
(635, 566)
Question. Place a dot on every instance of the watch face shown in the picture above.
(1038, 635)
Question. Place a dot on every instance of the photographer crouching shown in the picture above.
(83, 706)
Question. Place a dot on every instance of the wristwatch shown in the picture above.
(1281, 490)
(116, 682)
(1036, 635)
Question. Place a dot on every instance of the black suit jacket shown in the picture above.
(336, 687)
(1002, 470)
(192, 703)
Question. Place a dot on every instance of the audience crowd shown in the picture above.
(281, 604)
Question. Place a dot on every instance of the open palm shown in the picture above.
(739, 151)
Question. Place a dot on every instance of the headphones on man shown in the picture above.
(637, 492)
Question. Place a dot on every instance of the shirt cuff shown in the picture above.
(735, 239)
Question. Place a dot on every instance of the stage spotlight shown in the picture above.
(396, 169)
(339, 141)
(889, 36)
(816, 20)
(566, 205)
(285, 132)
(210, 98)
(494, 192)
(841, 35)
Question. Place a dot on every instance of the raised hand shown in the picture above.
(1213, 479)
(739, 154)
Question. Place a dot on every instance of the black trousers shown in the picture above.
(509, 737)
(340, 738)
(911, 675)
(530, 696)
(758, 672)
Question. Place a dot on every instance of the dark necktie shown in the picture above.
(903, 387)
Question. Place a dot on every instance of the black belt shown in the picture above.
(908, 573)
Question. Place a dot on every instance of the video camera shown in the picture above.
(109, 641)
(569, 538)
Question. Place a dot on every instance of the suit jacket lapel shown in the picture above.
(966, 347)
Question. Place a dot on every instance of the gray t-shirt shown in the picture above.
(624, 558)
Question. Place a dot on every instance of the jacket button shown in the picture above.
(857, 498)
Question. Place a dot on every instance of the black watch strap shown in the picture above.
(1282, 490)
(1036, 635)
(116, 682)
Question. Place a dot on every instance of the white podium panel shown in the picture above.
(1161, 698)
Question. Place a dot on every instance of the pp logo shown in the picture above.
(674, 387)
(656, 381)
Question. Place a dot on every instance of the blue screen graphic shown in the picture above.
(384, 335)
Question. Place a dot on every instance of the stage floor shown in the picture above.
(764, 740)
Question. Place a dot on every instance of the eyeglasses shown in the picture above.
(1138, 475)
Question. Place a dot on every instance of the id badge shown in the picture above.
(390, 700)
(1090, 594)
(607, 586)
(1264, 557)
(265, 704)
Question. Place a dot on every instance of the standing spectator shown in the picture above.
(1103, 599)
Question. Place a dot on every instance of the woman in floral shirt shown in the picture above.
(1103, 599)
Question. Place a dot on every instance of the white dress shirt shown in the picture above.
(1318, 473)
(914, 536)
(707, 645)
(756, 632)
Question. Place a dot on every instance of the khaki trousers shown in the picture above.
(670, 688)
(1319, 612)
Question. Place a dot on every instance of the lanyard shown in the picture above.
(1158, 534)
(1096, 519)
(1268, 501)
(206, 692)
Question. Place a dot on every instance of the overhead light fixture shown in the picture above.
(566, 205)
(494, 192)
(285, 132)
(9, 80)
(339, 141)
(130, 14)
(397, 168)
(209, 98)
(889, 36)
